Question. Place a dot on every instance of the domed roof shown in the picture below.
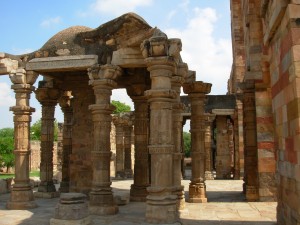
(65, 42)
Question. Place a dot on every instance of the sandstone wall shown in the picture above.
(271, 32)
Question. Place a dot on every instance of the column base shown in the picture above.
(138, 193)
(161, 209)
(102, 203)
(180, 197)
(84, 221)
(64, 187)
(46, 187)
(46, 194)
(21, 199)
(103, 210)
(128, 173)
(209, 175)
(197, 193)
(252, 193)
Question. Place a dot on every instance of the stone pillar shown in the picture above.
(59, 146)
(196, 92)
(231, 146)
(138, 191)
(48, 97)
(101, 196)
(21, 196)
(127, 117)
(250, 141)
(161, 201)
(66, 106)
(177, 81)
(118, 122)
(209, 118)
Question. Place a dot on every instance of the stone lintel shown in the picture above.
(223, 112)
(62, 63)
(128, 58)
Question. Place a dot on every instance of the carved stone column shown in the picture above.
(101, 197)
(48, 96)
(127, 117)
(209, 118)
(250, 142)
(177, 81)
(21, 196)
(161, 201)
(196, 92)
(65, 103)
(118, 122)
(141, 181)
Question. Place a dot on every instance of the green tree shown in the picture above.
(120, 107)
(35, 130)
(7, 157)
(187, 144)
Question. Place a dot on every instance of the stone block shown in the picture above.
(72, 209)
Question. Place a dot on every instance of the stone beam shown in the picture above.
(223, 112)
(7, 65)
(128, 58)
(62, 63)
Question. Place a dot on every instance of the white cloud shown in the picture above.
(209, 56)
(6, 95)
(50, 22)
(118, 7)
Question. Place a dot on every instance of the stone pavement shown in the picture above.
(226, 206)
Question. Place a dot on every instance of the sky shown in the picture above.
(202, 25)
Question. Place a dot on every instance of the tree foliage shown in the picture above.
(187, 144)
(36, 128)
(120, 107)
(7, 157)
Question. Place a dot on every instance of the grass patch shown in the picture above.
(10, 175)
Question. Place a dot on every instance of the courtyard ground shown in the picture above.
(226, 206)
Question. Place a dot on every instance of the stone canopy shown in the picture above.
(72, 51)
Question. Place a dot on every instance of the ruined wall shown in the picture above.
(282, 36)
(272, 40)
(252, 85)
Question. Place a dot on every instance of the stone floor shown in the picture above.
(226, 206)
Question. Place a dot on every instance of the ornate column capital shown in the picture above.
(159, 45)
(107, 73)
(22, 85)
(197, 87)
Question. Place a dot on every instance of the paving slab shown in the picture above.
(226, 206)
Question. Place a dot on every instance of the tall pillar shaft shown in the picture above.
(207, 143)
(161, 56)
(138, 191)
(21, 196)
(119, 149)
(127, 150)
(161, 201)
(177, 81)
(66, 106)
(48, 98)
(250, 141)
(101, 197)
(196, 92)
